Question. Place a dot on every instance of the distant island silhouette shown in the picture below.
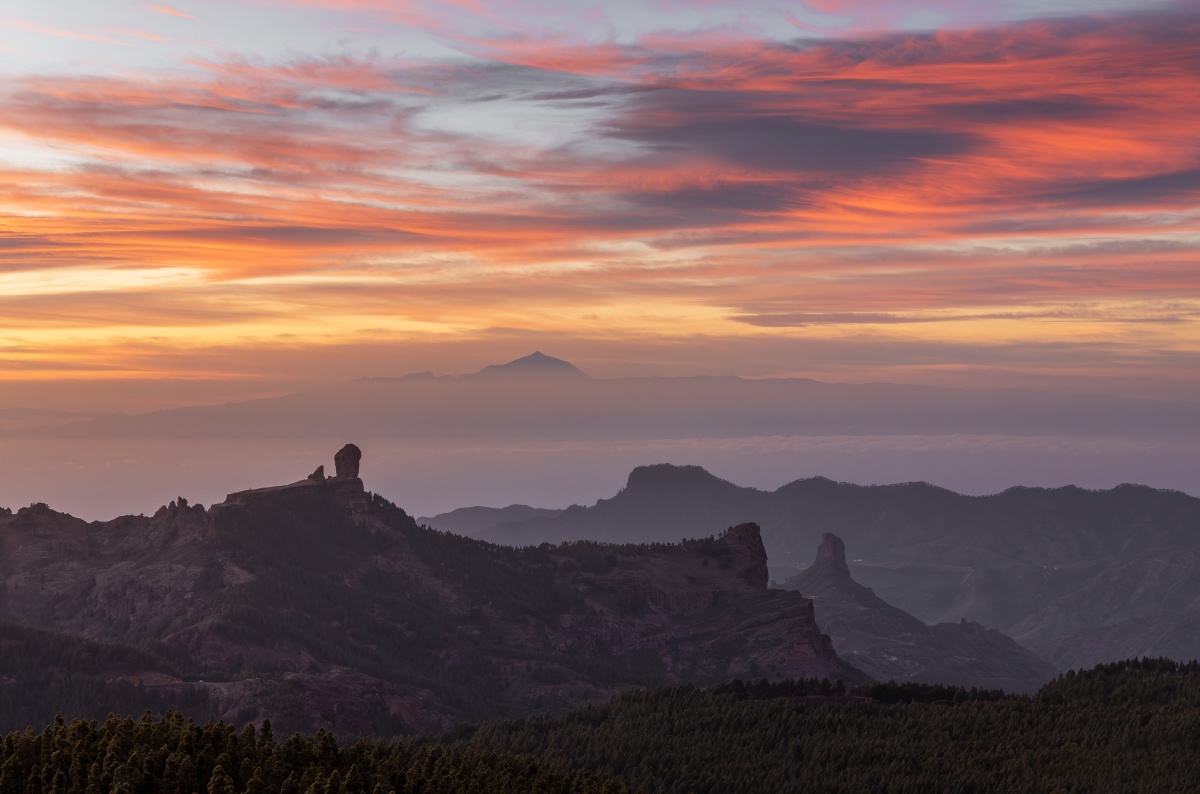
(536, 363)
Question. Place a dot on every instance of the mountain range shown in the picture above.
(1079, 577)
(322, 605)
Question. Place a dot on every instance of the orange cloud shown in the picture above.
(1038, 180)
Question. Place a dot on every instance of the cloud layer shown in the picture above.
(949, 201)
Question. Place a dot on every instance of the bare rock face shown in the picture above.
(318, 475)
(832, 553)
(346, 461)
(747, 539)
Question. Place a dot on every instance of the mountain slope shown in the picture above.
(471, 520)
(323, 605)
(889, 644)
(44, 673)
(1078, 576)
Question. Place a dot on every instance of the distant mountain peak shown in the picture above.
(668, 475)
(536, 363)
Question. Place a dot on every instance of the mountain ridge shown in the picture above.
(1035, 563)
(321, 604)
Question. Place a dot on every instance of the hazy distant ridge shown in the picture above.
(1078, 576)
(542, 398)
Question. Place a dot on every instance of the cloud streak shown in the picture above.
(61, 33)
(163, 8)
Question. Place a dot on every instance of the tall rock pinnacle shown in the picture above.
(832, 553)
(346, 461)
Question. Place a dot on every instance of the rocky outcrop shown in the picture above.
(323, 596)
(747, 540)
(346, 461)
(703, 607)
(319, 474)
(832, 553)
(888, 643)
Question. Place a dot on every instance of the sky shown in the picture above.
(208, 201)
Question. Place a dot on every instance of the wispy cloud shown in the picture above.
(163, 8)
(61, 33)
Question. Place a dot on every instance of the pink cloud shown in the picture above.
(163, 8)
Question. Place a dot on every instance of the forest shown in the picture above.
(1125, 726)
(177, 756)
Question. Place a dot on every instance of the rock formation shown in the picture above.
(346, 461)
(319, 474)
(320, 605)
(748, 538)
(888, 643)
(832, 553)
(1080, 577)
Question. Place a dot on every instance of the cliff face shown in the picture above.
(888, 643)
(747, 540)
(322, 605)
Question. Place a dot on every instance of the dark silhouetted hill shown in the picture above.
(324, 606)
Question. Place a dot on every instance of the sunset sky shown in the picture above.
(209, 200)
